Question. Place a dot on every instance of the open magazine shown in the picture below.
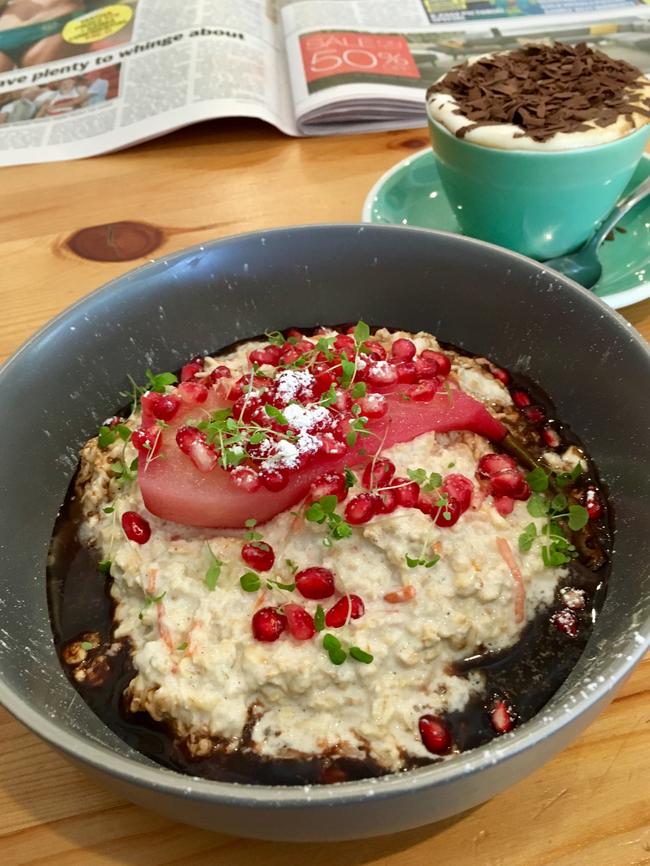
(82, 77)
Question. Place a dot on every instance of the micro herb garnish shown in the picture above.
(323, 510)
(537, 480)
(333, 648)
(105, 566)
(109, 509)
(358, 390)
(564, 479)
(124, 473)
(251, 534)
(291, 565)
(361, 333)
(360, 655)
(350, 478)
(319, 618)
(86, 645)
(149, 600)
(357, 428)
(348, 369)
(328, 398)
(212, 575)
(275, 413)
(556, 549)
(250, 581)
(275, 337)
(107, 435)
(182, 646)
(324, 345)
(427, 563)
(427, 482)
(158, 381)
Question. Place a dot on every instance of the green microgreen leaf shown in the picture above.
(360, 655)
(319, 618)
(328, 398)
(334, 650)
(537, 480)
(275, 413)
(537, 505)
(578, 517)
(275, 337)
(361, 333)
(158, 382)
(250, 581)
(105, 566)
(86, 645)
(433, 482)
(291, 565)
(106, 436)
(358, 390)
(565, 479)
(213, 573)
(324, 345)
(287, 587)
(324, 511)
(417, 475)
(109, 509)
(348, 370)
(350, 478)
(182, 646)
(527, 537)
(559, 503)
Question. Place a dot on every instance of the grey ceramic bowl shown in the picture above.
(61, 384)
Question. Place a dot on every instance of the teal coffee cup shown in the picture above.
(539, 203)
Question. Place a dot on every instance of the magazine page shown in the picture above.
(351, 71)
(81, 77)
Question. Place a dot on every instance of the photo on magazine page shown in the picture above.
(336, 57)
(33, 32)
(61, 97)
(443, 11)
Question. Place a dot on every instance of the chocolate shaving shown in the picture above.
(544, 89)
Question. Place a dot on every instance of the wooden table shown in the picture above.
(591, 805)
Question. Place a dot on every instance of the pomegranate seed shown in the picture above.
(460, 488)
(268, 624)
(373, 405)
(573, 598)
(323, 382)
(290, 355)
(593, 503)
(161, 406)
(267, 355)
(377, 475)
(534, 414)
(423, 392)
(190, 370)
(447, 515)
(381, 373)
(510, 483)
(403, 350)
(315, 582)
(345, 343)
(551, 437)
(273, 480)
(377, 351)
(426, 368)
(330, 484)
(502, 716)
(504, 505)
(442, 362)
(434, 734)
(193, 443)
(407, 372)
(387, 501)
(220, 372)
(146, 440)
(502, 375)
(244, 406)
(258, 556)
(245, 478)
(193, 392)
(491, 464)
(135, 527)
(565, 621)
(407, 492)
(294, 332)
(186, 436)
(299, 622)
(361, 508)
(521, 399)
(351, 607)
(331, 446)
(343, 400)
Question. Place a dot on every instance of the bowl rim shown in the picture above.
(509, 746)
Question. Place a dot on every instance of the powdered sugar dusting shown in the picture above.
(291, 384)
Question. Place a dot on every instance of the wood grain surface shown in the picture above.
(591, 805)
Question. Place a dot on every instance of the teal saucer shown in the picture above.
(410, 194)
